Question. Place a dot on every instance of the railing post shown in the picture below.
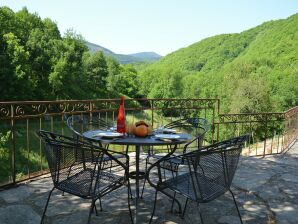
(13, 156)
(152, 113)
(265, 140)
(90, 108)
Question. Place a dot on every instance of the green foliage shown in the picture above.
(96, 70)
(113, 77)
(4, 155)
(253, 71)
(69, 69)
(128, 83)
(36, 63)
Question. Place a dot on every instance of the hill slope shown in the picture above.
(124, 58)
(256, 70)
(147, 55)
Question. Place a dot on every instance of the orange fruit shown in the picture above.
(141, 131)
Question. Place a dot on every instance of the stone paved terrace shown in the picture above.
(266, 191)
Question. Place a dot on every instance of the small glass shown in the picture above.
(130, 129)
(159, 130)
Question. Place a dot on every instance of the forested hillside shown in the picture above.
(253, 71)
(37, 63)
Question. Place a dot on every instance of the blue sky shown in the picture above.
(162, 26)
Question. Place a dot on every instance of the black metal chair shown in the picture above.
(81, 123)
(75, 170)
(195, 126)
(209, 174)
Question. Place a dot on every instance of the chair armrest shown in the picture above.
(159, 166)
(110, 154)
(195, 139)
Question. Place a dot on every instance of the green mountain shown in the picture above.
(124, 58)
(255, 70)
(151, 56)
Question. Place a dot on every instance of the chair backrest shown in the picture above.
(63, 153)
(87, 122)
(55, 149)
(195, 126)
(212, 168)
(77, 167)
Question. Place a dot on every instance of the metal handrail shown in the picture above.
(278, 130)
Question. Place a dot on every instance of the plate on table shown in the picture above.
(165, 131)
(108, 134)
(167, 136)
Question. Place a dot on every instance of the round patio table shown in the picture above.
(138, 142)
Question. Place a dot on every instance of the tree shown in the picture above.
(113, 76)
(128, 83)
(69, 69)
(96, 71)
(18, 69)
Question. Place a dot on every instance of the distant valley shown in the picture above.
(125, 58)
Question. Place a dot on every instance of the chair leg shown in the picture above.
(100, 204)
(128, 200)
(96, 213)
(130, 192)
(236, 206)
(183, 213)
(46, 206)
(126, 151)
(91, 210)
(153, 207)
(173, 200)
(146, 165)
(143, 188)
(201, 216)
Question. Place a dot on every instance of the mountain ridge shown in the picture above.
(125, 58)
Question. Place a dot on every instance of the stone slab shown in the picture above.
(14, 214)
(16, 194)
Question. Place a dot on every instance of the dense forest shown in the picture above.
(37, 63)
(252, 71)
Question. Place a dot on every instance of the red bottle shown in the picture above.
(121, 117)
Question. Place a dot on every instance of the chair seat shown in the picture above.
(107, 162)
(81, 184)
(170, 164)
(117, 156)
(209, 188)
(153, 158)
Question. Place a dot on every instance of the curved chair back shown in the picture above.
(84, 175)
(74, 164)
(87, 122)
(195, 126)
(212, 168)
(209, 175)
(67, 157)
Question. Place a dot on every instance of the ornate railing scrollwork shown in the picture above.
(19, 111)
(4, 111)
(40, 108)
